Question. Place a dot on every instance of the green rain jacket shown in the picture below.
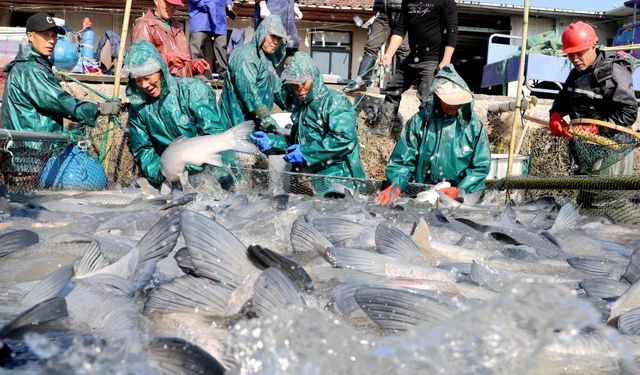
(35, 101)
(186, 107)
(251, 83)
(325, 126)
(434, 147)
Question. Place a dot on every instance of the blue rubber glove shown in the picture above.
(294, 155)
(261, 140)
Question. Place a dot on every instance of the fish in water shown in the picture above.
(280, 283)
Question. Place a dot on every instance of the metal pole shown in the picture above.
(118, 75)
(21, 135)
(516, 117)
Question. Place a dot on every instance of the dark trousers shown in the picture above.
(380, 33)
(198, 42)
(421, 72)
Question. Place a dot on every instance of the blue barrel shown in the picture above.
(88, 42)
(65, 54)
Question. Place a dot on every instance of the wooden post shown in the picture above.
(118, 75)
(523, 57)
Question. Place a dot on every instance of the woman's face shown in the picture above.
(270, 44)
(303, 89)
(150, 84)
(448, 109)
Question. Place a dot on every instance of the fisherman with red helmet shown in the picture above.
(598, 87)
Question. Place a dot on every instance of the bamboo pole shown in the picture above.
(523, 57)
(622, 48)
(118, 75)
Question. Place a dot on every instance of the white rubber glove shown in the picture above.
(297, 12)
(264, 11)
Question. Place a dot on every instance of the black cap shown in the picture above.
(43, 22)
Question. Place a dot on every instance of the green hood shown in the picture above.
(271, 25)
(27, 53)
(299, 69)
(143, 59)
(449, 74)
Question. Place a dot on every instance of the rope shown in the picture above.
(81, 134)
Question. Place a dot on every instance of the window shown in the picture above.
(331, 51)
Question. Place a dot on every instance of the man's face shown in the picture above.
(150, 84)
(164, 10)
(270, 44)
(43, 41)
(581, 60)
(448, 109)
(303, 89)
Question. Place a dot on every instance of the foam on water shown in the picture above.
(509, 335)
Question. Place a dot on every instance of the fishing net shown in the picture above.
(596, 152)
(616, 198)
(71, 160)
(270, 181)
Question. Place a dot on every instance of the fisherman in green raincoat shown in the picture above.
(164, 108)
(324, 136)
(251, 82)
(33, 98)
(445, 140)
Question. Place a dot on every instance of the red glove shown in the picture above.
(451, 192)
(176, 59)
(558, 126)
(593, 129)
(389, 195)
(200, 66)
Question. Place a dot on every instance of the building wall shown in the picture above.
(605, 29)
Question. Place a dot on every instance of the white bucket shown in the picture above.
(499, 164)
(283, 119)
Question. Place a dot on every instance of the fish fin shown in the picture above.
(173, 355)
(567, 219)
(17, 240)
(188, 294)
(421, 235)
(482, 275)
(603, 288)
(160, 239)
(343, 296)
(508, 217)
(339, 230)
(629, 322)
(396, 310)
(113, 283)
(216, 160)
(441, 216)
(596, 267)
(215, 252)
(43, 312)
(306, 238)
(551, 238)
(624, 303)
(269, 258)
(504, 238)
(93, 260)
(240, 135)
(632, 273)
(392, 242)
(166, 188)
(361, 260)
(183, 259)
(472, 224)
(273, 291)
(49, 287)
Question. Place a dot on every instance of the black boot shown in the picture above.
(364, 75)
(386, 120)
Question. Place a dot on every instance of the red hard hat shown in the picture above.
(579, 36)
